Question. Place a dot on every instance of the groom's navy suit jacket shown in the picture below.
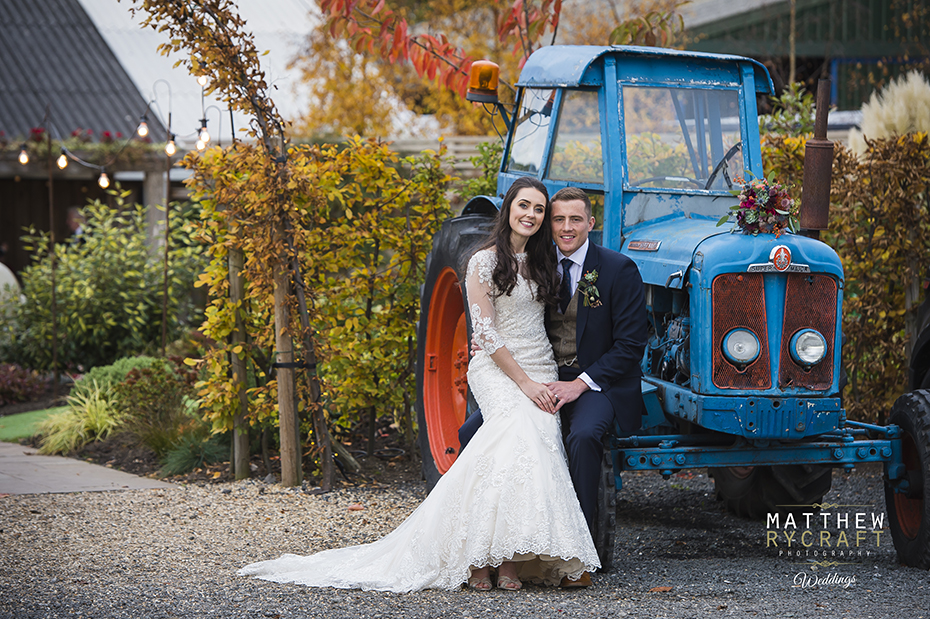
(611, 338)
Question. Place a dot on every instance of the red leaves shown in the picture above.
(399, 44)
(434, 57)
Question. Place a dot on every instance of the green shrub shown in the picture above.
(194, 449)
(109, 289)
(156, 406)
(792, 113)
(109, 376)
(19, 385)
(90, 416)
(488, 163)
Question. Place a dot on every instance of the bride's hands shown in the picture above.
(540, 394)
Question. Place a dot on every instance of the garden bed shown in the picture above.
(120, 452)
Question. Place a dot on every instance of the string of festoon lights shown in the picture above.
(103, 180)
(66, 155)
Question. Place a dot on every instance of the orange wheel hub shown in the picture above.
(445, 386)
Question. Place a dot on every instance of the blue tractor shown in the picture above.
(742, 373)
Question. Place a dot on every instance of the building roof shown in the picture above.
(700, 12)
(53, 58)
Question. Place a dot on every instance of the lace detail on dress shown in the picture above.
(483, 332)
(482, 264)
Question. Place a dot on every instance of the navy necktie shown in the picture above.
(565, 290)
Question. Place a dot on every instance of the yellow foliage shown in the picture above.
(364, 272)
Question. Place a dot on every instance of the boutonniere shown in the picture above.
(588, 291)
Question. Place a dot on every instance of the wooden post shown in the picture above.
(792, 42)
(52, 258)
(240, 426)
(320, 431)
(284, 348)
(164, 297)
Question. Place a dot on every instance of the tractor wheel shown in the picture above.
(606, 519)
(443, 334)
(753, 492)
(909, 511)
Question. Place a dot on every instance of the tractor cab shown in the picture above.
(656, 133)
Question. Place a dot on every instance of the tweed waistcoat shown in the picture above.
(562, 333)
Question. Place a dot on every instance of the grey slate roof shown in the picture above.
(52, 55)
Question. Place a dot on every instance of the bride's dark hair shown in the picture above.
(540, 255)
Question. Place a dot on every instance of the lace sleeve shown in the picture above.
(478, 285)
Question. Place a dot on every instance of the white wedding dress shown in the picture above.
(508, 496)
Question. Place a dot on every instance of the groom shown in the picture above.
(598, 335)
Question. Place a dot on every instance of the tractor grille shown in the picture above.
(739, 301)
(810, 304)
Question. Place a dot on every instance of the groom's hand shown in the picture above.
(567, 391)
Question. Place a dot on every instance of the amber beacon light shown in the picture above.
(482, 82)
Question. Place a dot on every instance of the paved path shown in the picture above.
(24, 471)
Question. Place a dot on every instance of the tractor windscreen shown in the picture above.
(531, 131)
(682, 138)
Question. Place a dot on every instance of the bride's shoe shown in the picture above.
(480, 583)
(508, 584)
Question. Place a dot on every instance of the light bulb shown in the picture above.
(143, 129)
(170, 148)
(204, 134)
(202, 80)
(103, 181)
(201, 145)
(62, 161)
(23, 155)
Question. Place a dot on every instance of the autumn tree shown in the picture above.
(414, 56)
(316, 254)
(350, 92)
(212, 40)
(354, 91)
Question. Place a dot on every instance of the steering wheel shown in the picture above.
(676, 179)
(722, 165)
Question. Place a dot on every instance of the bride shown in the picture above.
(508, 500)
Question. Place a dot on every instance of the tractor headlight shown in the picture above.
(741, 347)
(808, 347)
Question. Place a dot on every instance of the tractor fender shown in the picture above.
(483, 205)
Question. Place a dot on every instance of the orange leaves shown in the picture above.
(370, 25)
(399, 43)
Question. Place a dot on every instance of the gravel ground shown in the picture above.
(174, 553)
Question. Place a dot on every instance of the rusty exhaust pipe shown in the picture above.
(818, 170)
